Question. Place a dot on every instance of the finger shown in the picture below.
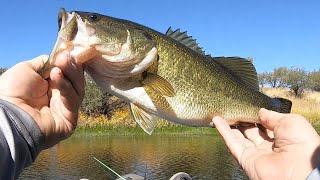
(254, 134)
(232, 137)
(71, 71)
(64, 92)
(224, 129)
(37, 63)
(268, 132)
(237, 132)
(244, 141)
(270, 119)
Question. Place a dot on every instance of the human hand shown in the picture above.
(53, 103)
(292, 154)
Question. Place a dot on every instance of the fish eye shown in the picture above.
(93, 17)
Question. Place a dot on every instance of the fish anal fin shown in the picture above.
(159, 84)
(146, 120)
(241, 68)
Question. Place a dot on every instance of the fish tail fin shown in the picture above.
(285, 105)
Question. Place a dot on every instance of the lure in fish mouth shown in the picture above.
(160, 75)
(111, 46)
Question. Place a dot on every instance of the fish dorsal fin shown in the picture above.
(240, 67)
(146, 120)
(159, 84)
(183, 38)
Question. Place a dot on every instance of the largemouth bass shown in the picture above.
(162, 75)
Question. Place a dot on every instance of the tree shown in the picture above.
(279, 74)
(110, 104)
(2, 70)
(270, 79)
(314, 80)
(296, 80)
(275, 78)
(93, 99)
(262, 79)
(98, 102)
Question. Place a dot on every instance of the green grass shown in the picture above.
(137, 131)
(317, 128)
(127, 131)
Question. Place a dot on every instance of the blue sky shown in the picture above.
(274, 33)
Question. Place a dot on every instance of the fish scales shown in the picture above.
(189, 73)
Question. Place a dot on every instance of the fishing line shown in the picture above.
(109, 168)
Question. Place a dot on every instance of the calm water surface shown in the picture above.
(159, 157)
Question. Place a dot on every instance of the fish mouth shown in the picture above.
(61, 17)
(64, 18)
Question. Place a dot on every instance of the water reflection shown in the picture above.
(203, 157)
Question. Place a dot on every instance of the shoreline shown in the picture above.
(137, 131)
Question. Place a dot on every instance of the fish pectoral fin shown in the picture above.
(146, 120)
(159, 84)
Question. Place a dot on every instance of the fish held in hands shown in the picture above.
(162, 75)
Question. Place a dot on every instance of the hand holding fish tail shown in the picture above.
(291, 152)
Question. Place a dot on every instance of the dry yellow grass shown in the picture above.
(308, 106)
(120, 118)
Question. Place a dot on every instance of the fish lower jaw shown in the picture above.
(131, 63)
(102, 67)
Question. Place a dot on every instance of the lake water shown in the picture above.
(157, 157)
